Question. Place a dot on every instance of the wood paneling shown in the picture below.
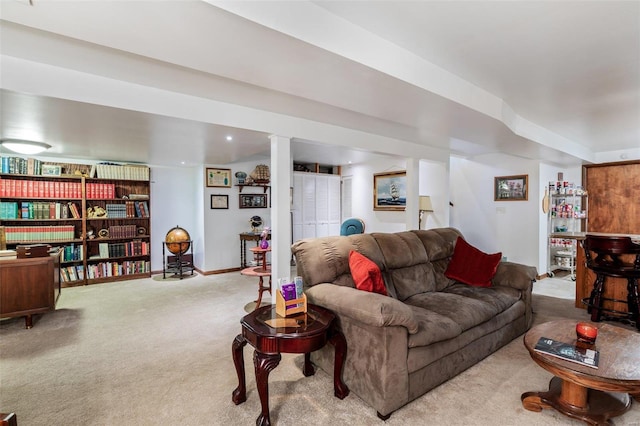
(614, 197)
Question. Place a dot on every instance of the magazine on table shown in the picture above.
(582, 356)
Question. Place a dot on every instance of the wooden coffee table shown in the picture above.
(303, 333)
(586, 393)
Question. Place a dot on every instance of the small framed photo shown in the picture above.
(253, 201)
(219, 201)
(511, 188)
(218, 177)
(51, 170)
(390, 191)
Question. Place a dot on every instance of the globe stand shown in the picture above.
(177, 264)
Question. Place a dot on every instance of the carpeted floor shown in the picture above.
(153, 351)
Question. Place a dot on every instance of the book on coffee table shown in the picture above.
(566, 351)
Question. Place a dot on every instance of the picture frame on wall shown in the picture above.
(220, 178)
(219, 201)
(390, 191)
(511, 188)
(253, 201)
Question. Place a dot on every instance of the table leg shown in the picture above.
(308, 369)
(28, 321)
(589, 405)
(340, 390)
(239, 395)
(260, 290)
(264, 363)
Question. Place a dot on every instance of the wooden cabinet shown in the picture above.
(102, 225)
(316, 205)
(29, 286)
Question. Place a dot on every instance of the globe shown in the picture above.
(256, 222)
(177, 240)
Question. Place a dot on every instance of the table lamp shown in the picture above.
(424, 206)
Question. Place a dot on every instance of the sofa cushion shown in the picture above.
(408, 268)
(432, 327)
(326, 259)
(472, 266)
(464, 305)
(366, 274)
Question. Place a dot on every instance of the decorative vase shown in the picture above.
(264, 244)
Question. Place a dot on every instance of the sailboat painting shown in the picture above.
(390, 191)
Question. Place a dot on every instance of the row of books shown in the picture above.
(38, 210)
(114, 269)
(120, 171)
(128, 210)
(130, 248)
(20, 166)
(72, 273)
(72, 253)
(100, 190)
(15, 188)
(123, 231)
(27, 234)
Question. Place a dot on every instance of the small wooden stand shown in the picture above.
(290, 307)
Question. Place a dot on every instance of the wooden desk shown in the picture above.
(248, 236)
(29, 286)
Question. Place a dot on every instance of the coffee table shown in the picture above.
(585, 393)
(272, 335)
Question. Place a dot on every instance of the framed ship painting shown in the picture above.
(390, 191)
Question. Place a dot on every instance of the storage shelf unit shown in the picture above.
(126, 236)
(567, 221)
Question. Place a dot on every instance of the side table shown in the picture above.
(262, 329)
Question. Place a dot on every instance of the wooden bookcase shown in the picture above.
(120, 226)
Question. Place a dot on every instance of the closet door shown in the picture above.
(296, 216)
(333, 204)
(322, 206)
(308, 206)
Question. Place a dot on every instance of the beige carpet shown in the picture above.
(149, 352)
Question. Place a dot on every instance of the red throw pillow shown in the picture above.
(366, 274)
(472, 266)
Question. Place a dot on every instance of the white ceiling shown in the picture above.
(164, 82)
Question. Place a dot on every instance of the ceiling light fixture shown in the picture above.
(24, 147)
(229, 138)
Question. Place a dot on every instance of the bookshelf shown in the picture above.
(101, 224)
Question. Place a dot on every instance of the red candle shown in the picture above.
(586, 332)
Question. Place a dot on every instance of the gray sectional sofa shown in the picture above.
(429, 329)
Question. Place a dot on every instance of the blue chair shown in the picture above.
(352, 226)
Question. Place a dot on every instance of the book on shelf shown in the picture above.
(568, 352)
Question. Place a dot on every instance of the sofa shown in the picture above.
(429, 327)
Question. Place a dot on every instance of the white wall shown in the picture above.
(433, 181)
(222, 227)
(175, 201)
(510, 227)
(362, 192)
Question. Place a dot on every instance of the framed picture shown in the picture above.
(253, 201)
(219, 201)
(218, 177)
(511, 188)
(390, 191)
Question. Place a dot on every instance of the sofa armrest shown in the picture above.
(514, 275)
(369, 308)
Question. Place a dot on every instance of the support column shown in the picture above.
(280, 209)
(413, 180)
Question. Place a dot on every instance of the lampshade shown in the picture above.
(24, 147)
(425, 203)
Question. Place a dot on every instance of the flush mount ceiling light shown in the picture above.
(24, 147)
